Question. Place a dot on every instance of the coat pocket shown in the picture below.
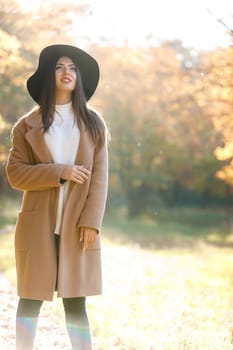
(23, 231)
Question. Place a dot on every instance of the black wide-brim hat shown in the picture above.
(87, 66)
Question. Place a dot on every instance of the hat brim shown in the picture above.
(86, 64)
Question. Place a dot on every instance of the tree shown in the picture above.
(22, 36)
(218, 87)
(162, 139)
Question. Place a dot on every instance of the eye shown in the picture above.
(58, 67)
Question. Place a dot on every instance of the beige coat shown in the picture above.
(31, 169)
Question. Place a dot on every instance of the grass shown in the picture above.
(165, 290)
(8, 211)
(171, 227)
(165, 300)
(167, 284)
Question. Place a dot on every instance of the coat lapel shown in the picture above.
(84, 157)
(35, 137)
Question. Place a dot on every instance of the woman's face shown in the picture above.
(65, 75)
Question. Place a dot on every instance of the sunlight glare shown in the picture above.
(29, 5)
(147, 22)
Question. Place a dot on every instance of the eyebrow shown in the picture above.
(69, 64)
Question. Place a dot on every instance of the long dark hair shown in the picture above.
(92, 121)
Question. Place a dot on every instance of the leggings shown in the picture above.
(76, 322)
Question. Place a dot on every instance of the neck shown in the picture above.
(62, 99)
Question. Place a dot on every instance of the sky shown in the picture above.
(132, 20)
(189, 21)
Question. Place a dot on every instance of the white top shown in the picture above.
(62, 140)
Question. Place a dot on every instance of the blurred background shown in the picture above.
(166, 93)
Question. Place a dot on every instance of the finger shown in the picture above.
(91, 242)
(92, 238)
(85, 240)
(80, 177)
(81, 234)
(83, 177)
(81, 174)
(83, 170)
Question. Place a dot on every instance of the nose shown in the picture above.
(65, 70)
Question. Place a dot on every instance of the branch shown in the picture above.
(219, 20)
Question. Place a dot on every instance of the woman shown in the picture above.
(59, 160)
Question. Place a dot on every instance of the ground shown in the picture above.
(161, 297)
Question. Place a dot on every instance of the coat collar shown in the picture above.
(35, 137)
(33, 118)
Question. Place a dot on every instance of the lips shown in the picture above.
(66, 80)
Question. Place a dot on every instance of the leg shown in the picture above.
(77, 323)
(26, 322)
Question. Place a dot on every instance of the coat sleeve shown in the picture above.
(93, 212)
(21, 171)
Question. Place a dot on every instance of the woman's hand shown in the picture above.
(87, 236)
(75, 173)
